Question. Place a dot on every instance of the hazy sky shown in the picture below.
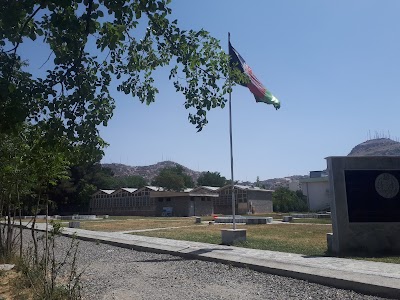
(334, 65)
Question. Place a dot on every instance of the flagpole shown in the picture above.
(230, 140)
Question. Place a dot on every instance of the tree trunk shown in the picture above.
(33, 232)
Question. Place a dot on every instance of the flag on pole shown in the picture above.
(255, 86)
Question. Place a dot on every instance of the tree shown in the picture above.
(211, 179)
(173, 178)
(285, 200)
(258, 182)
(92, 43)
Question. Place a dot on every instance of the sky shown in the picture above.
(334, 65)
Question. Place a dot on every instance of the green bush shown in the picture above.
(285, 200)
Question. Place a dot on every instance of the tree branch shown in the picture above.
(22, 30)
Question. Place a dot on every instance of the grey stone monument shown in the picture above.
(365, 204)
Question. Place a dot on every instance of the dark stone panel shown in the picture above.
(373, 195)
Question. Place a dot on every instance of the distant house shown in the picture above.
(316, 188)
(190, 202)
(248, 199)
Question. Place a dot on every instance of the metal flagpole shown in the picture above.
(230, 139)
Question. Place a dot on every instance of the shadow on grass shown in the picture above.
(208, 250)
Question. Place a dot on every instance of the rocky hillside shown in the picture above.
(377, 147)
(148, 172)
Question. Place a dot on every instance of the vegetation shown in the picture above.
(211, 179)
(49, 139)
(285, 200)
(173, 178)
(137, 223)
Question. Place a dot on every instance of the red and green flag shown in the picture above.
(255, 86)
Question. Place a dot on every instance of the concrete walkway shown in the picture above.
(374, 278)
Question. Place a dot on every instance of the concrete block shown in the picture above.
(74, 224)
(229, 236)
(287, 219)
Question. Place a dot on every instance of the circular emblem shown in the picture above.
(387, 185)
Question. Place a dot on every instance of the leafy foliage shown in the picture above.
(92, 43)
(285, 200)
(173, 179)
(211, 179)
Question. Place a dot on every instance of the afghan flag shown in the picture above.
(255, 86)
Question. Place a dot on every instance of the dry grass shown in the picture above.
(10, 287)
(136, 224)
(308, 240)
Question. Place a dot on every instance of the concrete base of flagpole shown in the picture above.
(230, 236)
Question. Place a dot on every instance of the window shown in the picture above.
(168, 199)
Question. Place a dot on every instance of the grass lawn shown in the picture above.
(308, 240)
(135, 223)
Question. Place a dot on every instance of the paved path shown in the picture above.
(382, 279)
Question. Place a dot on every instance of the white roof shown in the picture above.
(107, 191)
(247, 187)
(213, 188)
(129, 190)
(155, 188)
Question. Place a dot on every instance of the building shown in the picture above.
(248, 200)
(190, 202)
(154, 201)
(316, 188)
(124, 201)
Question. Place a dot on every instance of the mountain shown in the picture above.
(148, 172)
(377, 147)
(274, 183)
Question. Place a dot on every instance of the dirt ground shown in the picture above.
(9, 289)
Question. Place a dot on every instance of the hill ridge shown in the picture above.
(377, 147)
(148, 172)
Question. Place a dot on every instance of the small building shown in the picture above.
(190, 202)
(316, 188)
(247, 199)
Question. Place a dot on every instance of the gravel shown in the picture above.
(118, 273)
